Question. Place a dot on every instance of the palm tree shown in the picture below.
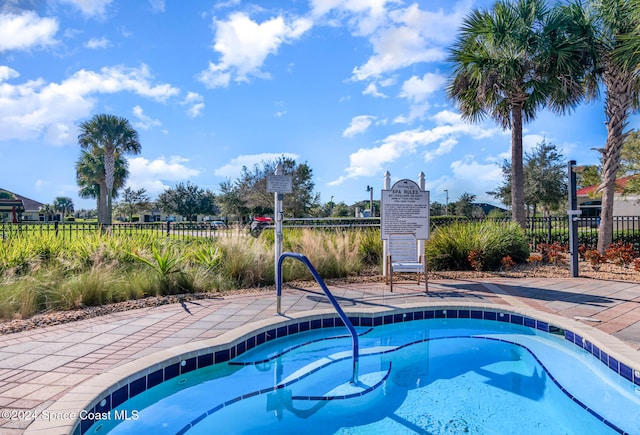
(48, 211)
(511, 61)
(63, 204)
(613, 26)
(91, 179)
(114, 136)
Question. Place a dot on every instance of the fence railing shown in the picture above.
(69, 230)
(626, 229)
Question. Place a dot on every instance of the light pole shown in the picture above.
(446, 202)
(370, 190)
(574, 212)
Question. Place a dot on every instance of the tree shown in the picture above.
(91, 180)
(230, 201)
(464, 206)
(510, 62)
(187, 200)
(48, 211)
(437, 209)
(630, 163)
(545, 185)
(114, 136)
(248, 194)
(341, 209)
(133, 201)
(611, 28)
(63, 204)
(588, 175)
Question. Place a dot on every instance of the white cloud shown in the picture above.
(157, 6)
(419, 89)
(144, 122)
(244, 45)
(152, 174)
(195, 103)
(233, 169)
(26, 31)
(479, 174)
(372, 89)
(365, 16)
(371, 161)
(359, 124)
(90, 8)
(7, 73)
(35, 108)
(95, 43)
(411, 35)
(530, 141)
(445, 147)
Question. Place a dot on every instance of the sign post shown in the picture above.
(404, 208)
(279, 184)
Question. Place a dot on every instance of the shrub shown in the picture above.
(621, 254)
(595, 258)
(450, 246)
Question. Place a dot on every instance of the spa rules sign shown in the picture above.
(405, 209)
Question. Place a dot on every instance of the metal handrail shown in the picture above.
(343, 316)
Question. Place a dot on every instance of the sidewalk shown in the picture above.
(37, 367)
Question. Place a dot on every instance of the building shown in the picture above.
(18, 208)
(623, 205)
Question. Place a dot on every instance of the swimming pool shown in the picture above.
(425, 371)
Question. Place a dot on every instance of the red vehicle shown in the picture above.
(258, 224)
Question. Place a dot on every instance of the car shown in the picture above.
(217, 225)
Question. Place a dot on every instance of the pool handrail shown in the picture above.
(343, 316)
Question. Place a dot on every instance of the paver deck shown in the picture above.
(38, 367)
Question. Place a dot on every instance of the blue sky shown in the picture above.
(352, 87)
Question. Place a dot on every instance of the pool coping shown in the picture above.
(88, 395)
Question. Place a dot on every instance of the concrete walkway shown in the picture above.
(40, 366)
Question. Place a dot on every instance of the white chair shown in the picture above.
(403, 257)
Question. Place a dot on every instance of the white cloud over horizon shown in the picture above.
(152, 174)
(233, 169)
(368, 161)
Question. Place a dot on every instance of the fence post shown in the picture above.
(168, 228)
(573, 214)
(55, 227)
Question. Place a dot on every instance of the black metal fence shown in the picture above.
(626, 229)
(69, 230)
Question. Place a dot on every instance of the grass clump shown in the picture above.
(40, 272)
(476, 245)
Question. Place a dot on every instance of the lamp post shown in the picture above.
(370, 190)
(573, 213)
(446, 202)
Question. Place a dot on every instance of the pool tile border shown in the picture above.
(107, 402)
(247, 337)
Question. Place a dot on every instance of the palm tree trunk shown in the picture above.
(618, 105)
(102, 205)
(517, 170)
(109, 169)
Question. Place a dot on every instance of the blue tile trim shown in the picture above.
(169, 372)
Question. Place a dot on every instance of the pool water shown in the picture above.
(436, 376)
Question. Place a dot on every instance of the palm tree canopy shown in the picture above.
(520, 53)
(111, 133)
(113, 136)
(90, 173)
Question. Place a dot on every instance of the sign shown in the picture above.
(279, 183)
(405, 209)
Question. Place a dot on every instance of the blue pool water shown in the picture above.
(436, 376)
